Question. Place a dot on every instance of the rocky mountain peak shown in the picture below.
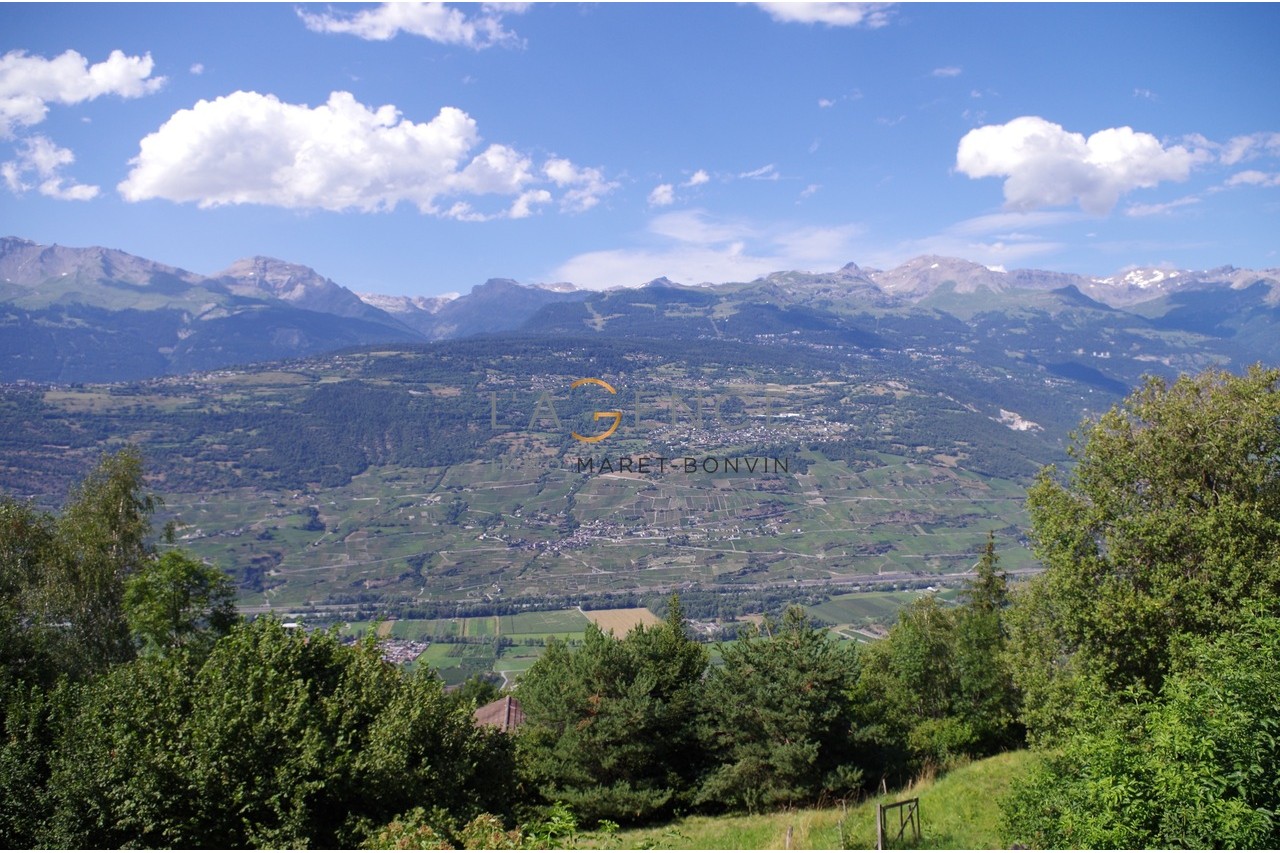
(281, 279)
(30, 264)
(923, 275)
(660, 281)
(498, 285)
(260, 276)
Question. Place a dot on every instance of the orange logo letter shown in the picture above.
(617, 416)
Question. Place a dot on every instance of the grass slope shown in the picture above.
(958, 811)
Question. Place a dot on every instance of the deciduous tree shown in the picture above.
(1166, 528)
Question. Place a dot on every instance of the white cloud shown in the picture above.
(1047, 166)
(990, 252)
(852, 95)
(1250, 146)
(433, 21)
(815, 247)
(1006, 239)
(498, 169)
(587, 184)
(768, 172)
(1140, 210)
(698, 178)
(197, 68)
(947, 71)
(871, 15)
(523, 206)
(41, 161)
(1146, 94)
(1253, 177)
(662, 195)
(28, 84)
(810, 190)
(684, 264)
(695, 226)
(693, 247)
(249, 148)
(995, 223)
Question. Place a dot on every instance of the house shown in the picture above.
(505, 713)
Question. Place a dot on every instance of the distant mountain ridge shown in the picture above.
(98, 314)
(498, 305)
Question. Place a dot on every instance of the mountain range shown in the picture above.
(70, 315)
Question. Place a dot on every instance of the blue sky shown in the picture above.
(420, 149)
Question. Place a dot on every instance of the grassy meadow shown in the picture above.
(958, 811)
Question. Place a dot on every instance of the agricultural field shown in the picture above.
(621, 621)
(863, 609)
(504, 646)
(518, 627)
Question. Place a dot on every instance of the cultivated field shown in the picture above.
(462, 647)
(622, 620)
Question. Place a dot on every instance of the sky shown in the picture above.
(422, 148)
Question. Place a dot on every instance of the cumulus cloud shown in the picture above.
(947, 71)
(698, 178)
(1045, 165)
(586, 185)
(662, 195)
(433, 21)
(870, 15)
(249, 148)
(28, 84)
(523, 206)
(39, 166)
